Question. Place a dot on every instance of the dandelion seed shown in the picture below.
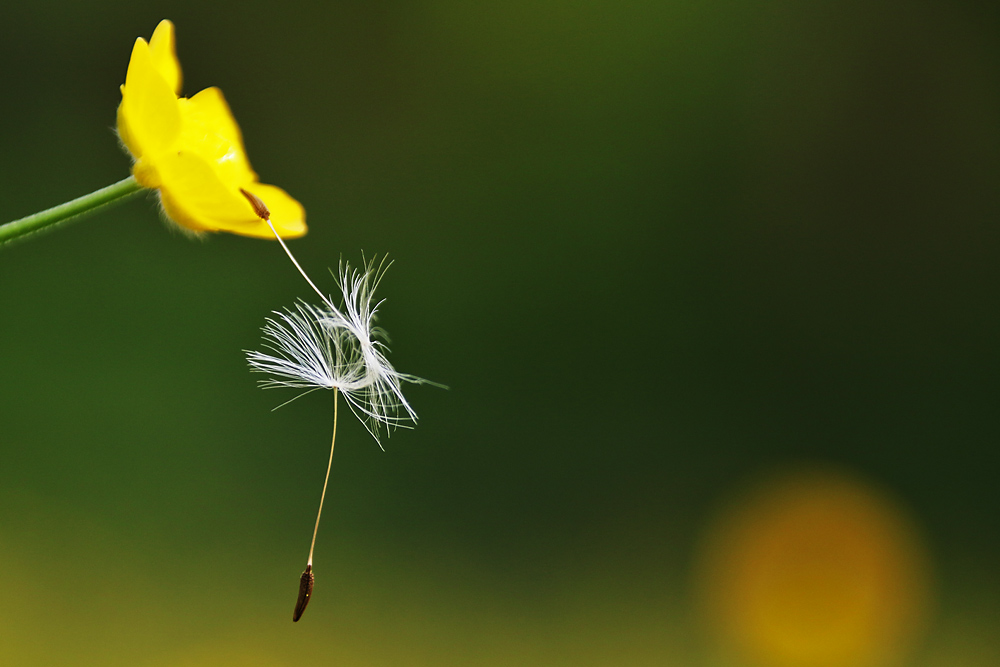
(340, 348)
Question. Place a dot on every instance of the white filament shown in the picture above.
(338, 348)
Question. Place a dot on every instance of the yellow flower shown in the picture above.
(191, 150)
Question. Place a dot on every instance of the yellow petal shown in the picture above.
(287, 215)
(209, 129)
(148, 118)
(164, 53)
(195, 197)
(179, 215)
(123, 131)
(145, 173)
(193, 183)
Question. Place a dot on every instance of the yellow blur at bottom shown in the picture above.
(813, 569)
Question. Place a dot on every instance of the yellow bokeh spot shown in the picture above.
(813, 569)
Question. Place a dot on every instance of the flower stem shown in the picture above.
(71, 210)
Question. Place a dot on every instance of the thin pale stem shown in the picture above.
(71, 210)
(261, 209)
(295, 262)
(329, 464)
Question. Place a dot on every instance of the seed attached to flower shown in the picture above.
(326, 348)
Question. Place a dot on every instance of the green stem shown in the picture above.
(71, 210)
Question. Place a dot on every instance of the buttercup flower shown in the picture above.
(191, 150)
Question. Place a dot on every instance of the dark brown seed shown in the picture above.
(306, 582)
(258, 205)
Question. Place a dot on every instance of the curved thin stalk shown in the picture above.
(71, 210)
(333, 441)
(308, 579)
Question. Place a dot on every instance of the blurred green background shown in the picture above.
(659, 251)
